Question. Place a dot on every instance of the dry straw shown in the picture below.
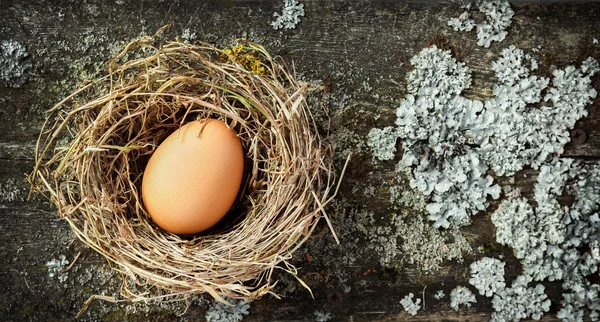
(95, 144)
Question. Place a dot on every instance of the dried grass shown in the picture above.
(94, 179)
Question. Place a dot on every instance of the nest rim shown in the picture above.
(84, 179)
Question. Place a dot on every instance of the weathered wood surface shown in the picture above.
(359, 50)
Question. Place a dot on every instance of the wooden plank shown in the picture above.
(359, 51)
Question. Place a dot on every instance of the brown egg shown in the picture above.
(192, 179)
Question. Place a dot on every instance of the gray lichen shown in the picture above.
(520, 302)
(290, 15)
(10, 191)
(505, 148)
(461, 296)
(498, 17)
(406, 197)
(461, 189)
(517, 227)
(14, 65)
(219, 312)
(535, 235)
(590, 66)
(513, 65)
(426, 246)
(462, 23)
(322, 316)
(439, 295)
(411, 239)
(450, 141)
(582, 223)
(514, 225)
(188, 36)
(555, 242)
(383, 142)
(55, 267)
(432, 125)
(510, 304)
(410, 306)
(487, 275)
(435, 70)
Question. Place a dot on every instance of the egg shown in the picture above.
(193, 178)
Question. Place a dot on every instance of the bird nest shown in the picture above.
(95, 144)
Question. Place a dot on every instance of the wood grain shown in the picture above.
(359, 51)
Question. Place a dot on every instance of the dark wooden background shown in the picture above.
(358, 51)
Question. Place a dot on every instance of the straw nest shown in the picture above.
(95, 144)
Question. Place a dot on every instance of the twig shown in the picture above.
(92, 298)
(72, 263)
(424, 296)
(26, 283)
